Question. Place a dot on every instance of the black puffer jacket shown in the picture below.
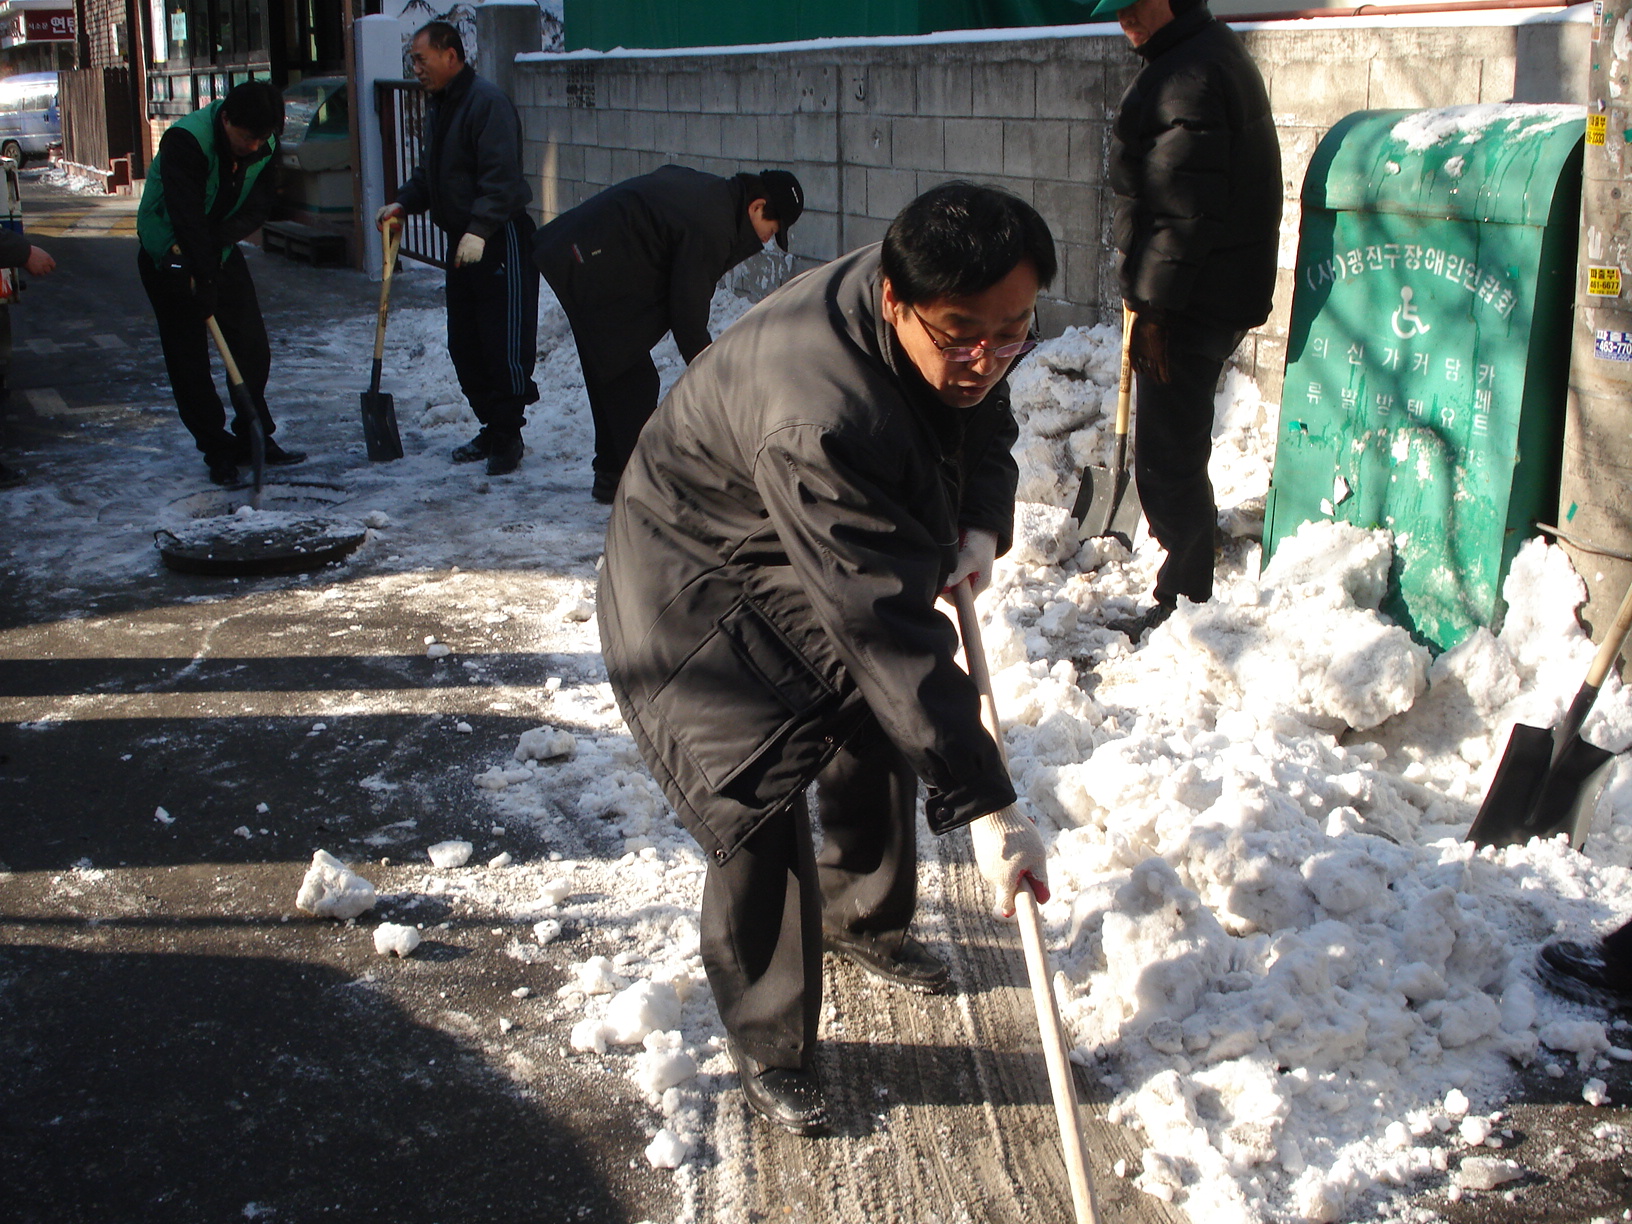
(643, 258)
(774, 556)
(1196, 168)
(469, 174)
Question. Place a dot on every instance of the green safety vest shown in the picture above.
(153, 225)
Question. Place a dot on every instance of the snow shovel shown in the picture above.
(1055, 1050)
(243, 405)
(379, 409)
(1544, 774)
(1106, 500)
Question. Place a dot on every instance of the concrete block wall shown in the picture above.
(868, 127)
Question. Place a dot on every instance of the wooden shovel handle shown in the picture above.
(226, 354)
(393, 240)
(1613, 641)
(1056, 1050)
(1124, 381)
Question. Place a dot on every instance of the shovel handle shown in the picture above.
(393, 240)
(1613, 641)
(1124, 379)
(1056, 1051)
(233, 376)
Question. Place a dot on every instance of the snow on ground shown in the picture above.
(1308, 993)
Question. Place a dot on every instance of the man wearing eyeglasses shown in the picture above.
(819, 476)
(1196, 167)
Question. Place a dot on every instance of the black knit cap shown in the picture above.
(786, 200)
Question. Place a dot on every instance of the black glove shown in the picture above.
(1147, 349)
(204, 295)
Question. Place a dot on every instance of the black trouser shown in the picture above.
(187, 346)
(493, 327)
(621, 406)
(764, 909)
(1172, 442)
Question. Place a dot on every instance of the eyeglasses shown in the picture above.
(974, 352)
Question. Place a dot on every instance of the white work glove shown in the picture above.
(977, 552)
(1007, 847)
(388, 214)
(470, 251)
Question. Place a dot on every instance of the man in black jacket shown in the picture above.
(640, 259)
(1196, 168)
(821, 473)
(209, 188)
(470, 179)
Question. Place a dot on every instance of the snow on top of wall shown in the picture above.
(1101, 29)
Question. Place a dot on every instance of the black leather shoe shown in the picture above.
(276, 456)
(911, 965)
(505, 455)
(476, 449)
(604, 489)
(782, 1096)
(223, 471)
(1137, 626)
(1579, 972)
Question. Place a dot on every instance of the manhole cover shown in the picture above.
(250, 541)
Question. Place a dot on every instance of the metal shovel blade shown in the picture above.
(1534, 794)
(380, 426)
(1107, 503)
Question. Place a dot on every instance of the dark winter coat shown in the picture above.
(1196, 169)
(774, 556)
(14, 248)
(643, 258)
(469, 175)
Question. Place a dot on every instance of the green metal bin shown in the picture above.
(1428, 356)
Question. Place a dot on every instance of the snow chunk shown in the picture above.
(447, 854)
(662, 1064)
(546, 743)
(333, 890)
(667, 1150)
(393, 939)
(641, 1009)
(1043, 535)
(1486, 1173)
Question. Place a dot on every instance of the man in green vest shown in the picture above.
(208, 188)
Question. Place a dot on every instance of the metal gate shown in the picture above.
(404, 107)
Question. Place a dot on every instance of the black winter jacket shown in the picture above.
(643, 258)
(469, 173)
(774, 555)
(1196, 168)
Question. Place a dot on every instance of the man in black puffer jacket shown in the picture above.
(640, 259)
(470, 179)
(820, 474)
(1196, 168)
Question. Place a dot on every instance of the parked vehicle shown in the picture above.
(30, 118)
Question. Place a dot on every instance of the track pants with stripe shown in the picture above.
(493, 327)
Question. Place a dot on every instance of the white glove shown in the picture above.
(977, 552)
(387, 214)
(470, 251)
(1007, 847)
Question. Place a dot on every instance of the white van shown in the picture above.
(30, 119)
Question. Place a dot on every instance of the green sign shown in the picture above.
(1428, 351)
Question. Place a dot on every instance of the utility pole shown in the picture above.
(1595, 493)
